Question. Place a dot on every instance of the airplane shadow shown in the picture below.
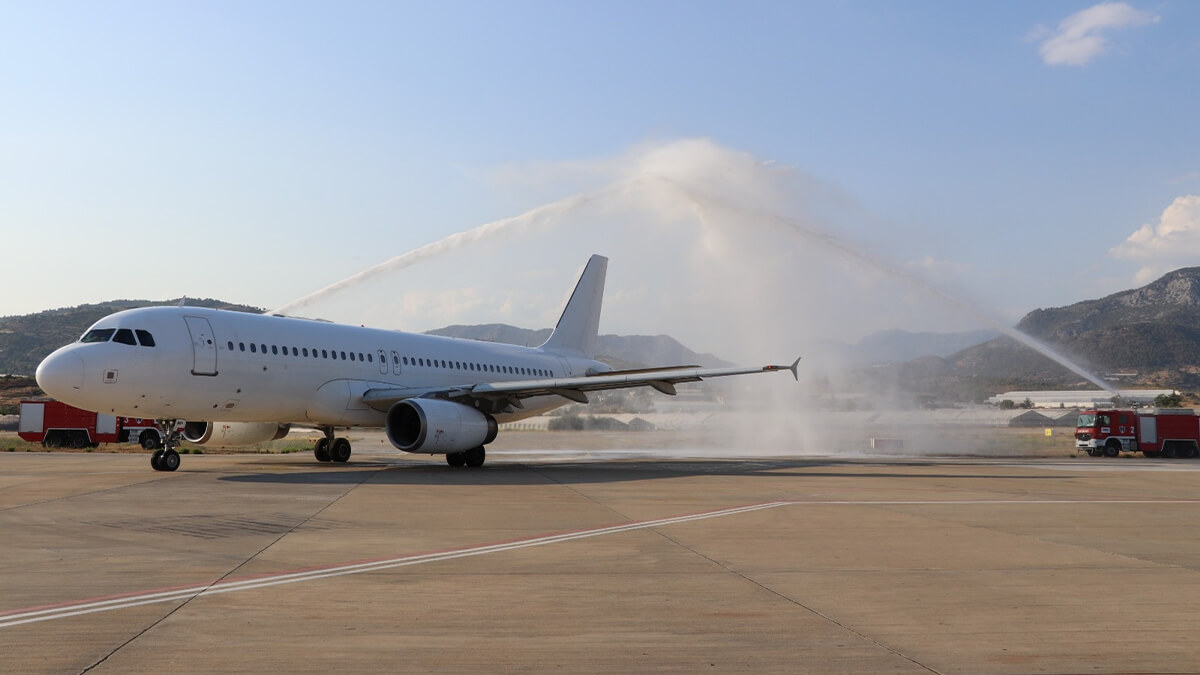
(598, 472)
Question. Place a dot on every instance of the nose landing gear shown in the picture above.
(166, 458)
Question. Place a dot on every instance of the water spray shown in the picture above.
(647, 182)
(701, 202)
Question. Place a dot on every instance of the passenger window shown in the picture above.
(343, 356)
(305, 351)
(231, 345)
(324, 354)
(147, 339)
(264, 348)
(274, 350)
(125, 337)
(360, 356)
(405, 360)
(351, 356)
(253, 348)
(370, 359)
(98, 335)
(242, 346)
(295, 352)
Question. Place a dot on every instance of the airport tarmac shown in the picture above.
(594, 561)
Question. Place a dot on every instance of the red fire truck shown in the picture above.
(58, 425)
(1161, 432)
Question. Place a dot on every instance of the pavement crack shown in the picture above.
(794, 601)
(229, 573)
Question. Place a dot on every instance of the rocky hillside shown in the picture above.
(25, 340)
(620, 351)
(1150, 335)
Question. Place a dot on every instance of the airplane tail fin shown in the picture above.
(580, 321)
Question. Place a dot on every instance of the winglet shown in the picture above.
(794, 368)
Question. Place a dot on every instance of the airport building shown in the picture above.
(1089, 398)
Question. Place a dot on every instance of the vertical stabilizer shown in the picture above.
(580, 321)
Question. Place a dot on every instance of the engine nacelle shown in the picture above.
(438, 427)
(233, 434)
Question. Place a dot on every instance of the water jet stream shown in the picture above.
(828, 240)
(652, 186)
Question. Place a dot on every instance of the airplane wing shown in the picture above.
(503, 394)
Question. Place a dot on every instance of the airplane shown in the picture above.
(232, 378)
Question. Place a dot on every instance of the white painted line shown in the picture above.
(19, 617)
(61, 611)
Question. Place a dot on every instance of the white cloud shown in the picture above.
(1081, 36)
(1171, 243)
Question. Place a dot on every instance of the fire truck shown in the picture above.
(57, 425)
(1161, 432)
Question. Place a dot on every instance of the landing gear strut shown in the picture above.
(330, 449)
(166, 458)
(473, 458)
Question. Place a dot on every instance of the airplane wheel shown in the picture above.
(321, 451)
(156, 459)
(475, 457)
(169, 460)
(340, 452)
(456, 459)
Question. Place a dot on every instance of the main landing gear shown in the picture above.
(472, 458)
(330, 449)
(166, 458)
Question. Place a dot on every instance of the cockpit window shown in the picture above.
(98, 335)
(147, 339)
(125, 337)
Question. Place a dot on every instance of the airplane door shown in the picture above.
(382, 362)
(395, 363)
(204, 346)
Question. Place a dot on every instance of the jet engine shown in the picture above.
(232, 434)
(438, 427)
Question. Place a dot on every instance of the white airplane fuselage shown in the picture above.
(208, 364)
(233, 378)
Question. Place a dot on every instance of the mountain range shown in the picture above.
(1148, 336)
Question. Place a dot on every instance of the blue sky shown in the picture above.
(257, 151)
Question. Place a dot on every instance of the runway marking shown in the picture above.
(17, 617)
(46, 613)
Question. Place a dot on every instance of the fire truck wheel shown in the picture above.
(1112, 450)
(155, 458)
(150, 440)
(169, 461)
(79, 440)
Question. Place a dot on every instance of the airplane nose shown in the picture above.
(60, 374)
